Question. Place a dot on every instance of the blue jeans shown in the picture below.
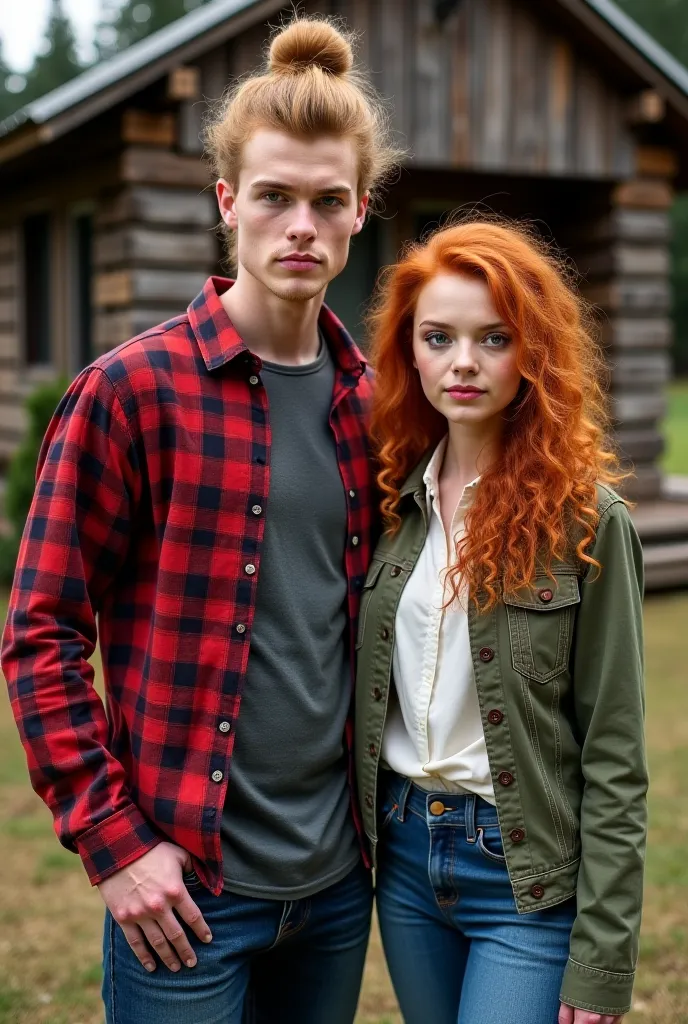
(297, 962)
(457, 949)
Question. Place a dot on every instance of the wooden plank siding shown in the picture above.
(491, 88)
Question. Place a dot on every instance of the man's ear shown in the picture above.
(361, 213)
(226, 200)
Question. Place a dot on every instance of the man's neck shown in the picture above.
(275, 329)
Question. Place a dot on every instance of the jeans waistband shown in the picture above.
(457, 809)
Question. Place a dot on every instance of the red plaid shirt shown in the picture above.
(149, 512)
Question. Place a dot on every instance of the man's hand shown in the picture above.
(142, 897)
(573, 1015)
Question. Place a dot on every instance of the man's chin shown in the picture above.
(296, 290)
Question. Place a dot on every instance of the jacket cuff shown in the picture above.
(115, 842)
(589, 988)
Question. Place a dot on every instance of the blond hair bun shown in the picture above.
(308, 43)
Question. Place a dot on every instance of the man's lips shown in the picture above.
(299, 261)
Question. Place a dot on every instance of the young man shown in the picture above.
(205, 492)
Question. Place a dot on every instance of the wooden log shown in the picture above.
(159, 206)
(496, 97)
(140, 126)
(652, 295)
(639, 370)
(8, 244)
(13, 415)
(624, 333)
(646, 107)
(134, 245)
(8, 312)
(644, 485)
(158, 167)
(124, 287)
(112, 329)
(9, 346)
(648, 194)
(8, 276)
(184, 83)
(640, 444)
(656, 162)
(666, 565)
(625, 224)
(638, 407)
(624, 258)
(190, 127)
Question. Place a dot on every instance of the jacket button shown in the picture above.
(395, 570)
(506, 778)
(437, 807)
(372, 750)
(517, 835)
(537, 891)
(369, 800)
(486, 654)
(384, 633)
(546, 595)
(495, 716)
(377, 693)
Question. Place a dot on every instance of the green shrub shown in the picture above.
(21, 473)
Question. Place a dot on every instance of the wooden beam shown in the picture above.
(140, 126)
(166, 206)
(159, 167)
(638, 332)
(646, 107)
(124, 287)
(647, 194)
(656, 162)
(137, 244)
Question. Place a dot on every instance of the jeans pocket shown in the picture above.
(490, 844)
(388, 809)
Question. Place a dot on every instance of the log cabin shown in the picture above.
(564, 112)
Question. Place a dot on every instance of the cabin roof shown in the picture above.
(100, 87)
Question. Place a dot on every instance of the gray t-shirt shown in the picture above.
(287, 830)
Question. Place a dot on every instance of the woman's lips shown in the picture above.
(464, 394)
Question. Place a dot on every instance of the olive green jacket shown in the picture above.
(559, 674)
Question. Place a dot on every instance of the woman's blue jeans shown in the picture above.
(457, 949)
(297, 962)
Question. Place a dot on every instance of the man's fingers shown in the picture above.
(156, 938)
(174, 931)
(189, 912)
(136, 940)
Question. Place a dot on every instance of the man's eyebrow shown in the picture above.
(281, 186)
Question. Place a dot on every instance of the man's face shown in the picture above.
(295, 208)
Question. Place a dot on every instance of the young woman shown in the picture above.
(500, 701)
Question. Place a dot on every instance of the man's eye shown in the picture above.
(331, 201)
(272, 196)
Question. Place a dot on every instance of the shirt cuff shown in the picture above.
(115, 842)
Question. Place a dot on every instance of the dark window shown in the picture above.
(83, 305)
(37, 290)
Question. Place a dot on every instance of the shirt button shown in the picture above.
(216, 776)
(395, 570)
(352, 494)
(253, 379)
(537, 891)
(437, 807)
(495, 716)
(256, 510)
(377, 693)
(505, 778)
(486, 654)
(250, 569)
(384, 633)
(224, 727)
(241, 628)
(546, 595)
(354, 540)
(517, 835)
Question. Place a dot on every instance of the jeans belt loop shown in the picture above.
(403, 798)
(471, 833)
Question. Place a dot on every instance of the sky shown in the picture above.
(22, 23)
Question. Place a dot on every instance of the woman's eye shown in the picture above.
(437, 339)
(497, 340)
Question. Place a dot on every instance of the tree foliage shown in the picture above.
(125, 23)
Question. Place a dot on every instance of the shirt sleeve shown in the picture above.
(74, 543)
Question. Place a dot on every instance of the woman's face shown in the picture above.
(463, 351)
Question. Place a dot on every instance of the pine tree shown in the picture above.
(122, 25)
(8, 101)
(56, 61)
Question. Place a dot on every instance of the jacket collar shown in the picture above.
(220, 342)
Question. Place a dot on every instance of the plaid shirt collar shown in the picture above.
(220, 342)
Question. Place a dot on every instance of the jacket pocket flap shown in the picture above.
(547, 595)
(373, 573)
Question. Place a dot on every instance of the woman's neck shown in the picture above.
(470, 451)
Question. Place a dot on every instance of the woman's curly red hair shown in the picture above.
(540, 493)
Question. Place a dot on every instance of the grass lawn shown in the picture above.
(50, 918)
(676, 429)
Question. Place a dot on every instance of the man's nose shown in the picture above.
(302, 224)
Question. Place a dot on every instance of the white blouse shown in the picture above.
(434, 733)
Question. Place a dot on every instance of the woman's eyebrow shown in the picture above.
(450, 327)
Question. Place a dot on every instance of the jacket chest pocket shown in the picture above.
(541, 625)
(366, 594)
